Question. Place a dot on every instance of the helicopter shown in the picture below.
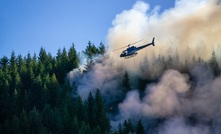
(131, 51)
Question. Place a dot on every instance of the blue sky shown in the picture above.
(26, 25)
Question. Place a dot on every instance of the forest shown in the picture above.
(36, 97)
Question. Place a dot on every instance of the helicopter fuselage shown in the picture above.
(129, 51)
(132, 51)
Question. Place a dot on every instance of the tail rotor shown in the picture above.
(153, 41)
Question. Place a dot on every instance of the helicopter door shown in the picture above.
(125, 52)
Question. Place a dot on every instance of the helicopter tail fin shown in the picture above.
(153, 41)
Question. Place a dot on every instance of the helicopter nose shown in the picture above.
(121, 55)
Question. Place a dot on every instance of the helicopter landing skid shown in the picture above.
(133, 55)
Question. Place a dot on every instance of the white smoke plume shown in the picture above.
(173, 97)
(191, 27)
(162, 99)
(179, 126)
(104, 75)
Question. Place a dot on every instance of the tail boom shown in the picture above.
(152, 43)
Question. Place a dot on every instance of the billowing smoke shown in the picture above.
(105, 75)
(162, 99)
(188, 102)
(190, 28)
(173, 98)
(179, 126)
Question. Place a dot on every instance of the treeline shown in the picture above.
(151, 69)
(36, 97)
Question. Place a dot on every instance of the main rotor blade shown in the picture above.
(136, 42)
(119, 48)
(128, 45)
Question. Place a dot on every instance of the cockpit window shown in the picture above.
(125, 52)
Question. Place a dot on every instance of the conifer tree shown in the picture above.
(130, 126)
(126, 83)
(140, 128)
(101, 48)
(74, 125)
(101, 117)
(90, 110)
(73, 58)
(120, 129)
(24, 122)
(35, 121)
(4, 63)
(89, 65)
(214, 64)
(15, 125)
(127, 127)
(80, 111)
(42, 55)
(54, 91)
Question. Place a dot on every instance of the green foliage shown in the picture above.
(126, 83)
(102, 49)
(34, 121)
(101, 117)
(73, 58)
(91, 110)
(214, 64)
(140, 128)
(27, 85)
(127, 127)
(90, 50)
(24, 125)
(36, 97)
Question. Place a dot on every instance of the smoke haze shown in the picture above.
(190, 28)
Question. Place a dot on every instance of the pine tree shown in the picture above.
(54, 92)
(91, 50)
(34, 65)
(194, 61)
(66, 120)
(101, 48)
(15, 78)
(42, 55)
(90, 110)
(140, 128)
(130, 126)
(126, 83)
(55, 120)
(35, 121)
(24, 125)
(4, 63)
(62, 65)
(28, 77)
(79, 108)
(89, 65)
(97, 130)
(36, 93)
(73, 58)
(74, 91)
(127, 127)
(15, 125)
(101, 117)
(84, 129)
(74, 125)
(214, 64)
(120, 129)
